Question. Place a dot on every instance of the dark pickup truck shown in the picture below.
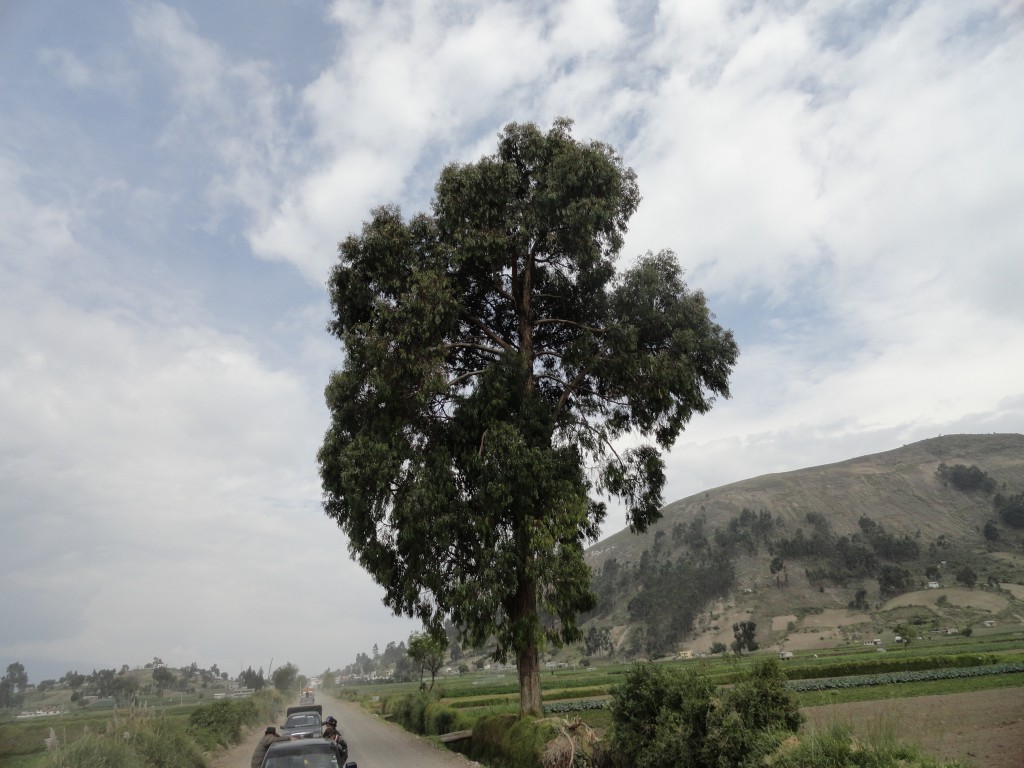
(304, 722)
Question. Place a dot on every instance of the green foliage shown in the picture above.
(220, 722)
(1010, 510)
(152, 742)
(893, 580)
(493, 355)
(743, 633)
(12, 685)
(507, 741)
(95, 752)
(965, 478)
(665, 717)
(672, 594)
(887, 678)
(967, 576)
(835, 748)
(427, 651)
(286, 678)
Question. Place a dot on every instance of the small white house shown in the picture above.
(932, 585)
(786, 655)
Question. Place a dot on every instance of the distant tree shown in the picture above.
(893, 580)
(743, 634)
(286, 678)
(494, 356)
(17, 678)
(405, 669)
(777, 565)
(163, 677)
(904, 631)
(718, 647)
(991, 531)
(73, 680)
(250, 678)
(1010, 510)
(463, 669)
(427, 651)
(215, 670)
(860, 600)
(967, 576)
(597, 639)
(965, 478)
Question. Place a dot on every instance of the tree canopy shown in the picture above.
(495, 361)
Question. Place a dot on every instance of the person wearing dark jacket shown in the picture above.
(331, 732)
(269, 737)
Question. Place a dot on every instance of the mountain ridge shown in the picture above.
(724, 539)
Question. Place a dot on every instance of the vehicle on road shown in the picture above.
(304, 722)
(307, 753)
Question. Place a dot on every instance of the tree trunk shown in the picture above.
(527, 654)
(527, 662)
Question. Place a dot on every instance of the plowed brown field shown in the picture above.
(985, 728)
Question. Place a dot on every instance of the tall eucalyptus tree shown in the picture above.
(494, 358)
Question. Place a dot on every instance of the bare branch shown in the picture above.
(590, 328)
(489, 333)
(471, 345)
(459, 379)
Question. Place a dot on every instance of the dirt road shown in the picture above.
(372, 743)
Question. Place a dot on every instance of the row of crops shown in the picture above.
(836, 683)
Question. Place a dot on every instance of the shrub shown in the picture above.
(835, 747)
(95, 752)
(158, 742)
(670, 718)
(220, 722)
(439, 719)
(508, 741)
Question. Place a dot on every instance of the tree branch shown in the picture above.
(488, 332)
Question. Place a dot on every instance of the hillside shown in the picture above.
(709, 558)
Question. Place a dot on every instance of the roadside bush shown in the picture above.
(835, 747)
(508, 741)
(670, 718)
(136, 741)
(95, 752)
(409, 711)
(164, 743)
(439, 719)
(221, 722)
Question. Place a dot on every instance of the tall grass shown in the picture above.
(835, 747)
(137, 740)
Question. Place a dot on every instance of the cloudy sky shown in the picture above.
(845, 181)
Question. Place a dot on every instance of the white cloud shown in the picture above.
(69, 67)
(841, 180)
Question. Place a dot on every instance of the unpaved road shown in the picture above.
(372, 743)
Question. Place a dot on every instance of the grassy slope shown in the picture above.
(897, 488)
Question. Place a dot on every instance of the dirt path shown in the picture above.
(985, 728)
(372, 743)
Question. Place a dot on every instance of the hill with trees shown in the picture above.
(830, 551)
